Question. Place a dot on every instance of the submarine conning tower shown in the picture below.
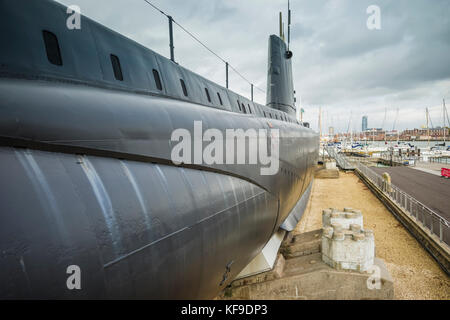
(280, 88)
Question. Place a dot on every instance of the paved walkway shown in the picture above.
(436, 173)
(432, 190)
(430, 167)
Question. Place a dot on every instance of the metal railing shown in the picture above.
(404, 158)
(341, 160)
(442, 160)
(419, 212)
(401, 159)
(172, 21)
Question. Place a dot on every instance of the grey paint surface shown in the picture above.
(280, 90)
(86, 177)
(132, 232)
(297, 212)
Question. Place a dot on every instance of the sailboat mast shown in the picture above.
(320, 123)
(351, 133)
(428, 128)
(384, 121)
(443, 114)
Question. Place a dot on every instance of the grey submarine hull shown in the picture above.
(86, 176)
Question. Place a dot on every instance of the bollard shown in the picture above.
(387, 182)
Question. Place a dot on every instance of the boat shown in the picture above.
(93, 205)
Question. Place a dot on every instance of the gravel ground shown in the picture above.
(416, 275)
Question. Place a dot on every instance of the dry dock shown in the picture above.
(415, 273)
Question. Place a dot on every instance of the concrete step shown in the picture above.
(301, 244)
(303, 275)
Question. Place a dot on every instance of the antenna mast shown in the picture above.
(282, 35)
(289, 24)
(281, 26)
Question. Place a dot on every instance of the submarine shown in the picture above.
(88, 185)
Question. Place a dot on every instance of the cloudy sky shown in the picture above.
(338, 63)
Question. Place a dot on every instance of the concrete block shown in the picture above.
(330, 165)
(302, 244)
(345, 244)
(327, 173)
(345, 219)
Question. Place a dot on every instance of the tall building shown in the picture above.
(364, 123)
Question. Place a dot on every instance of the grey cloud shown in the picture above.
(338, 63)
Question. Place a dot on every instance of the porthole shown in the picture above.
(52, 48)
(183, 86)
(157, 79)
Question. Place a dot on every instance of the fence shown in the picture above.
(429, 219)
(341, 160)
(404, 158)
(442, 160)
(396, 158)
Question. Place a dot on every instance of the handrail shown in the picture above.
(341, 160)
(407, 202)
